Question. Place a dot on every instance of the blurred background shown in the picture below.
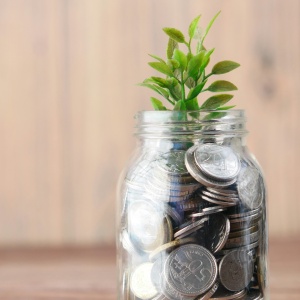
(68, 75)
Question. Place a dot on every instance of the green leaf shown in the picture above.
(172, 45)
(175, 91)
(193, 26)
(167, 83)
(181, 58)
(175, 34)
(157, 104)
(157, 89)
(192, 104)
(216, 101)
(226, 107)
(209, 26)
(180, 105)
(194, 92)
(194, 64)
(206, 59)
(221, 86)
(173, 64)
(225, 66)
(161, 67)
(190, 83)
(157, 58)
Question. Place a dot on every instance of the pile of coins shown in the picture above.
(192, 226)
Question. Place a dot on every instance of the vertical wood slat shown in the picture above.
(68, 95)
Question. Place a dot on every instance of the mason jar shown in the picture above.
(192, 210)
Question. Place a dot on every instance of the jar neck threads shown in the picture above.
(182, 125)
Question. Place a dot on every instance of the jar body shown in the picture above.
(192, 212)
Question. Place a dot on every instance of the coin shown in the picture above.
(191, 270)
(242, 241)
(161, 250)
(253, 295)
(209, 293)
(216, 232)
(127, 243)
(208, 211)
(236, 270)
(243, 214)
(146, 225)
(218, 162)
(199, 176)
(250, 187)
(189, 227)
(223, 294)
(246, 248)
(220, 197)
(219, 202)
(223, 192)
(243, 232)
(140, 282)
(172, 293)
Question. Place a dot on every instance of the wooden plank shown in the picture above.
(90, 273)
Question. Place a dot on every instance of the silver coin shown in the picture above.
(250, 187)
(128, 244)
(172, 293)
(223, 192)
(215, 233)
(198, 175)
(194, 203)
(253, 295)
(141, 283)
(209, 293)
(161, 251)
(219, 202)
(243, 232)
(236, 270)
(248, 248)
(242, 241)
(223, 294)
(146, 225)
(190, 227)
(245, 213)
(220, 197)
(191, 270)
(246, 219)
(208, 211)
(237, 226)
(218, 162)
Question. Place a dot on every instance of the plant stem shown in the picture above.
(208, 76)
(182, 87)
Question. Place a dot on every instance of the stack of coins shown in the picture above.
(192, 226)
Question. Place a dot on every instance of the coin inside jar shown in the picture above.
(191, 270)
(146, 225)
(236, 270)
(218, 162)
(141, 283)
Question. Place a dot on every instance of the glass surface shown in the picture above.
(192, 211)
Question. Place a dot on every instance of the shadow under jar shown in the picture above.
(192, 210)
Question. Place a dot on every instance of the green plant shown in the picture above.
(186, 75)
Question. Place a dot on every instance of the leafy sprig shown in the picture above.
(186, 73)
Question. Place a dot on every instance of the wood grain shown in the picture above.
(90, 273)
(68, 71)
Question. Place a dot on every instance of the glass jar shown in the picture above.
(192, 210)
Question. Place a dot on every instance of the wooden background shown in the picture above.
(68, 70)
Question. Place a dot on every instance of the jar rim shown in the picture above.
(208, 122)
